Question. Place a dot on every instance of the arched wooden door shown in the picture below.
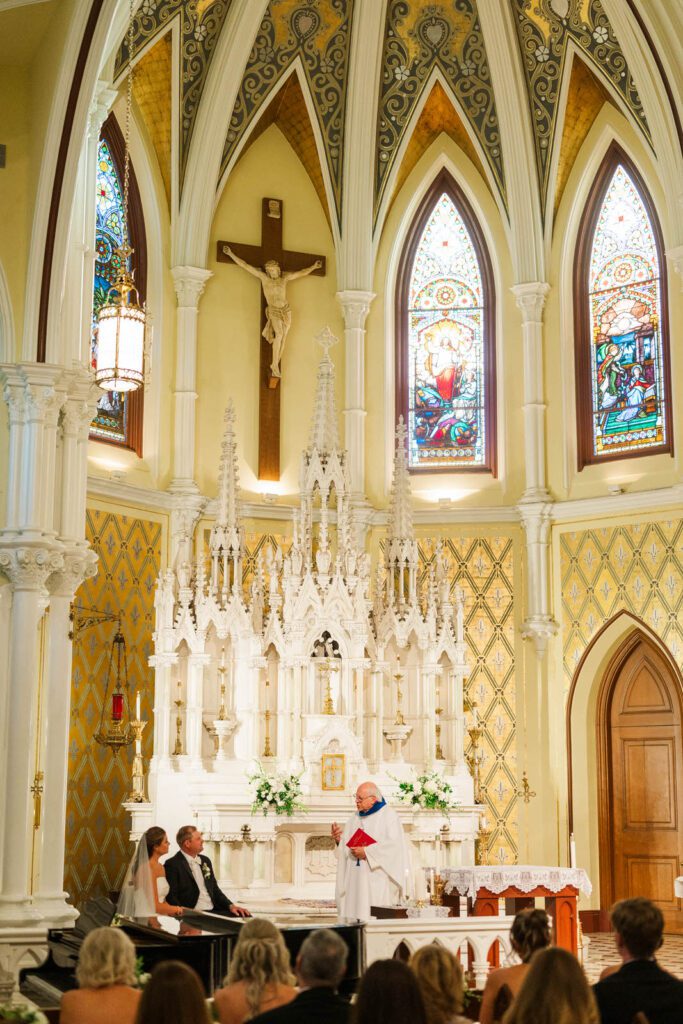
(640, 786)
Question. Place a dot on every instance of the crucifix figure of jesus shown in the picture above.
(278, 311)
(275, 267)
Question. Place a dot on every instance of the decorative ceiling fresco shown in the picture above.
(545, 29)
(152, 92)
(200, 26)
(418, 38)
(318, 32)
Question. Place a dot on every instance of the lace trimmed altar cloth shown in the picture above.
(467, 881)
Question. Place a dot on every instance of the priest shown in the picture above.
(374, 871)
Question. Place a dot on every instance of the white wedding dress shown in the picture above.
(162, 889)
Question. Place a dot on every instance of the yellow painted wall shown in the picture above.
(131, 548)
(467, 489)
(229, 322)
(645, 472)
(15, 193)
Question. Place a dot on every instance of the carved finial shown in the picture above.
(400, 502)
(326, 339)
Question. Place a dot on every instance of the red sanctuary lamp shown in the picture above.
(115, 729)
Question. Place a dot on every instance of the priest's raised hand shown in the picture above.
(373, 861)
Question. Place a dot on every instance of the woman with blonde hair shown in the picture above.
(260, 976)
(555, 991)
(530, 932)
(106, 976)
(440, 980)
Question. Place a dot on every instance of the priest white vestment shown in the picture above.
(380, 879)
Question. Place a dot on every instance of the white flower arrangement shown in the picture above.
(429, 791)
(279, 793)
(22, 1012)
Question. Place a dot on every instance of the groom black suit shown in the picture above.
(183, 889)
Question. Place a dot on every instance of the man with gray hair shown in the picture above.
(375, 869)
(320, 966)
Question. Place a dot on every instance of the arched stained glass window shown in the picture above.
(445, 325)
(622, 358)
(119, 416)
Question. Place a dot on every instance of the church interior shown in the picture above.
(393, 490)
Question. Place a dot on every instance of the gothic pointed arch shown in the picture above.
(118, 419)
(621, 329)
(445, 336)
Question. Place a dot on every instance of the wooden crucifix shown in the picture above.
(275, 267)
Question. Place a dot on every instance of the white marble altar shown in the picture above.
(312, 661)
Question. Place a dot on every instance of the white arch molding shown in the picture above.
(606, 130)
(581, 725)
(7, 341)
(435, 160)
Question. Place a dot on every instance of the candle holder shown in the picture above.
(438, 711)
(481, 845)
(179, 705)
(326, 670)
(474, 761)
(137, 793)
(436, 898)
(267, 749)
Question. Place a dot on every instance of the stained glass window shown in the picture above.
(446, 345)
(119, 417)
(628, 391)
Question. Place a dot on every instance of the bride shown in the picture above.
(145, 888)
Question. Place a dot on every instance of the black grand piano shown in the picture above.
(203, 941)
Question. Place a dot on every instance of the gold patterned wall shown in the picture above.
(636, 568)
(97, 848)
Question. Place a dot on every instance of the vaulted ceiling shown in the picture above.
(433, 74)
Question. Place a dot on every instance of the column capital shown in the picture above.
(530, 299)
(102, 102)
(28, 567)
(33, 391)
(80, 563)
(536, 517)
(540, 629)
(189, 284)
(355, 306)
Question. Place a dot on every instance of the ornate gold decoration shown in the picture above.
(37, 790)
(222, 710)
(544, 39)
(481, 844)
(436, 897)
(526, 792)
(199, 28)
(438, 711)
(318, 33)
(333, 772)
(137, 793)
(326, 670)
(398, 676)
(417, 38)
(179, 705)
(267, 750)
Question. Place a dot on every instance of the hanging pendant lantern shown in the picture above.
(115, 730)
(121, 321)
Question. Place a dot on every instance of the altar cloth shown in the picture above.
(496, 879)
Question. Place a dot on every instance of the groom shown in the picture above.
(191, 880)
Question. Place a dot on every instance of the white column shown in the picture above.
(163, 665)
(189, 284)
(196, 663)
(536, 506)
(27, 568)
(355, 306)
(50, 898)
(530, 299)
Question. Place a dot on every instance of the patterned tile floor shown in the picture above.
(601, 953)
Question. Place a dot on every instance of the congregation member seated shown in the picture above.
(639, 985)
(440, 980)
(260, 977)
(320, 966)
(530, 932)
(106, 976)
(389, 994)
(554, 991)
(173, 995)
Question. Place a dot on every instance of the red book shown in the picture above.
(360, 839)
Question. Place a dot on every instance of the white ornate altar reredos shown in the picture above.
(312, 665)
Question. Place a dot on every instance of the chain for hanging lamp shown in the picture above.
(121, 321)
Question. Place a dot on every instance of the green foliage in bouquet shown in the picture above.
(429, 791)
(278, 793)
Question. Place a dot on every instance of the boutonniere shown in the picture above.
(206, 870)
